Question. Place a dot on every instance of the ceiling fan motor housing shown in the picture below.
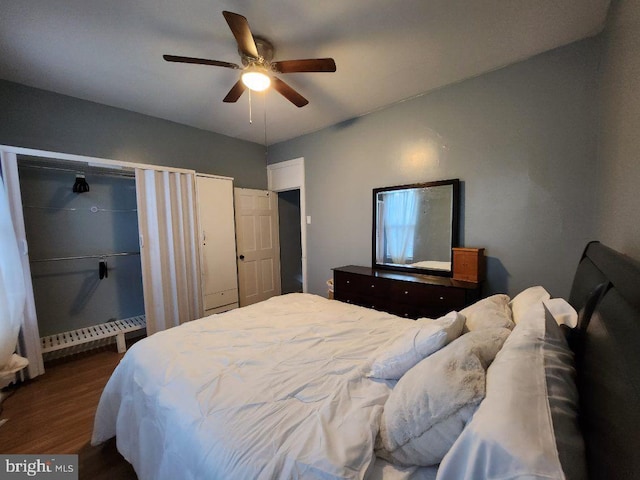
(265, 52)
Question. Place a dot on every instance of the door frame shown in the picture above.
(289, 175)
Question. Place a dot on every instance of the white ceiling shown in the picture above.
(386, 51)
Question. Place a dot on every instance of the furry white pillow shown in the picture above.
(394, 358)
(431, 404)
(490, 312)
(526, 299)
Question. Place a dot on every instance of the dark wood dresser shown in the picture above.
(408, 295)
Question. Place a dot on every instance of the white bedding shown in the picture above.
(273, 390)
(433, 265)
(428, 264)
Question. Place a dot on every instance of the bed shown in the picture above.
(304, 387)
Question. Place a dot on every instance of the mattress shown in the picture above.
(274, 390)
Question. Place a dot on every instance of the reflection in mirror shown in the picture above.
(415, 226)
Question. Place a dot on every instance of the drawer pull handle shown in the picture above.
(373, 286)
(406, 292)
(441, 298)
(348, 281)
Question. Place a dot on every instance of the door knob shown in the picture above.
(241, 257)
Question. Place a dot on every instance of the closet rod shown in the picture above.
(56, 259)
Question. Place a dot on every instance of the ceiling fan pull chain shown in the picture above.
(264, 108)
(250, 121)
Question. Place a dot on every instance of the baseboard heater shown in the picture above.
(89, 338)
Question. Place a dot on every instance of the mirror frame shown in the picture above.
(455, 226)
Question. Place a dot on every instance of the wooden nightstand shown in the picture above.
(469, 264)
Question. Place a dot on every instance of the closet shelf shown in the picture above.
(80, 257)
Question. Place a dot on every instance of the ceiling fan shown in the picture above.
(258, 68)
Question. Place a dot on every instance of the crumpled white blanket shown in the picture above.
(273, 390)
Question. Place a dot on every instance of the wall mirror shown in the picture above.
(416, 226)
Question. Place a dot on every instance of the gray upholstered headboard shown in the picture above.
(606, 293)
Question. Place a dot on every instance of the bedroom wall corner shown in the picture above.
(618, 217)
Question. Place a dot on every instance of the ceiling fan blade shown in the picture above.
(240, 28)
(236, 91)
(306, 65)
(289, 93)
(199, 61)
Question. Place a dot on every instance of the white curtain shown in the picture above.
(168, 248)
(400, 217)
(12, 290)
(29, 337)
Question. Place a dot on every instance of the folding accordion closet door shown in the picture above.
(169, 249)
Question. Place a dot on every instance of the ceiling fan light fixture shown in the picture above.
(257, 70)
(256, 79)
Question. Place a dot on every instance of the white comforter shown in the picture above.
(273, 390)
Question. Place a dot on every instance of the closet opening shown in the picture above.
(81, 225)
(290, 241)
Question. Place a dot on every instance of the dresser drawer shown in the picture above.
(360, 285)
(417, 294)
(363, 301)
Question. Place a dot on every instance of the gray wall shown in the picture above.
(44, 120)
(521, 139)
(619, 131)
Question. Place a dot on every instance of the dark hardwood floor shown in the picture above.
(54, 414)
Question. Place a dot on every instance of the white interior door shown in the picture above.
(217, 243)
(258, 245)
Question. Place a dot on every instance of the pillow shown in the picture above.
(562, 312)
(490, 312)
(394, 358)
(522, 302)
(527, 426)
(432, 402)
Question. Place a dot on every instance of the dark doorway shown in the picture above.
(290, 241)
